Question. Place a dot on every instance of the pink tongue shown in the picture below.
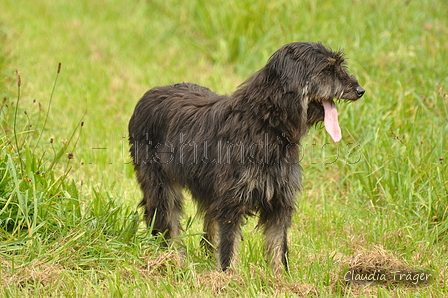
(331, 120)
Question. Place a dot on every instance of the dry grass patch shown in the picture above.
(380, 266)
(36, 273)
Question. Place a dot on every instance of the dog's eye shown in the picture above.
(328, 69)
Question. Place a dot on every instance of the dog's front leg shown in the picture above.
(276, 223)
(229, 236)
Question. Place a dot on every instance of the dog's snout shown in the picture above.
(360, 91)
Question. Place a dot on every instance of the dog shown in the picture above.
(238, 154)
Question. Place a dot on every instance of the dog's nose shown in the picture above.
(360, 91)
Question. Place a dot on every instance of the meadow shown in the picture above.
(71, 73)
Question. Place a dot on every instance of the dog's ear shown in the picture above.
(285, 67)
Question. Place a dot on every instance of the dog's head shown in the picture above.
(317, 75)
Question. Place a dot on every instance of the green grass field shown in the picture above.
(69, 222)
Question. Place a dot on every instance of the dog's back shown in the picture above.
(157, 108)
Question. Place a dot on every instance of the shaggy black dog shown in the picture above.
(237, 155)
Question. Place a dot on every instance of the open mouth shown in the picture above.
(324, 109)
(331, 113)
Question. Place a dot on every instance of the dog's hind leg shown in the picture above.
(276, 224)
(162, 200)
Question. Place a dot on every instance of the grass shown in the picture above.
(69, 225)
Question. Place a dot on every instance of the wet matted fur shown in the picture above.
(238, 154)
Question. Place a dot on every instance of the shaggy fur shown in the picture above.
(237, 155)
